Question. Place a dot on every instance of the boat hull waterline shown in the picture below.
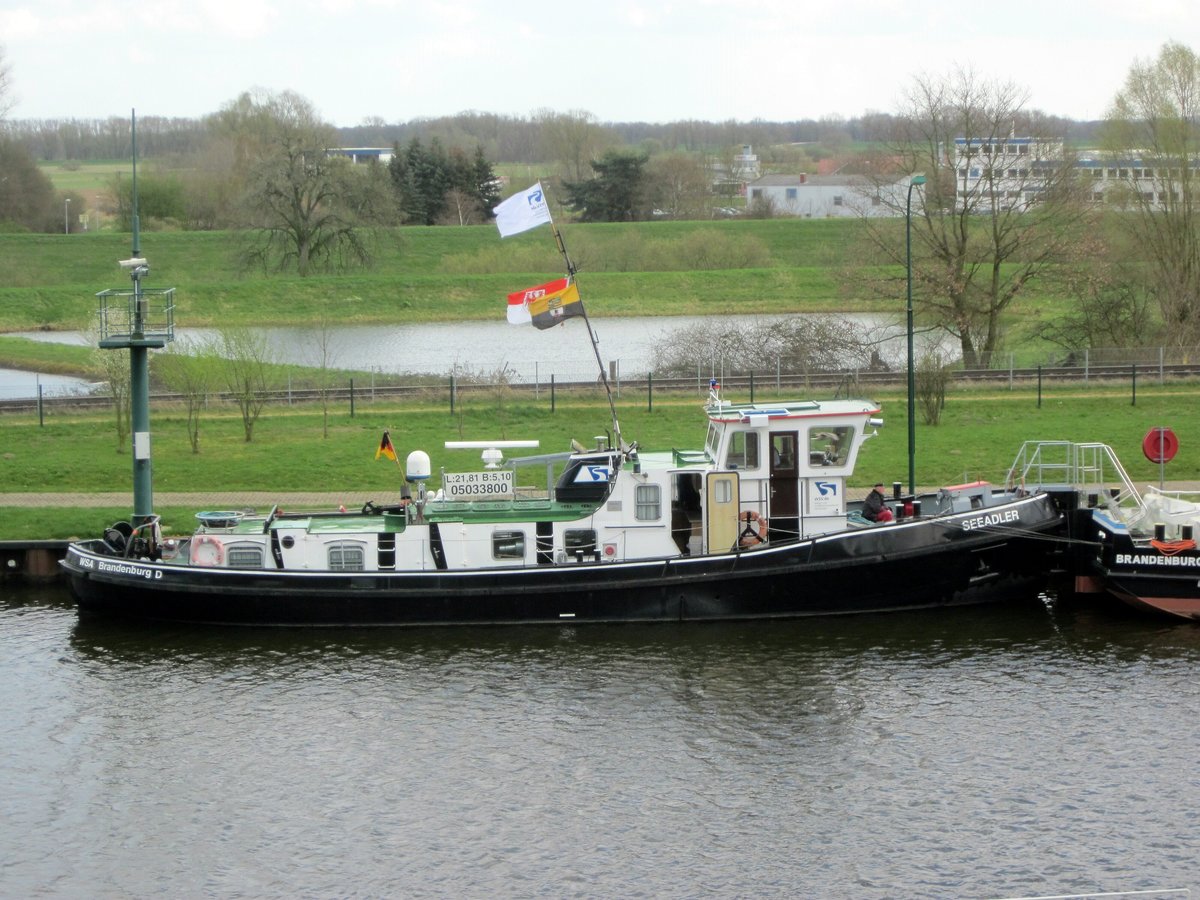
(919, 563)
(1148, 580)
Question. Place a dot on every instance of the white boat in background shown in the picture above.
(1139, 546)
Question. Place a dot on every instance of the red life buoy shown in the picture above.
(207, 550)
(749, 536)
(1160, 445)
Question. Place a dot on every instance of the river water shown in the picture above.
(994, 752)
(626, 347)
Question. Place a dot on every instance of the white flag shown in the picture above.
(522, 211)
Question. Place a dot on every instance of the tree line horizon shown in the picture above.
(504, 138)
(977, 243)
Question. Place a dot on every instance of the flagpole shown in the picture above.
(612, 407)
(529, 209)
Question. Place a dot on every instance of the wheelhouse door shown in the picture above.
(721, 502)
(784, 509)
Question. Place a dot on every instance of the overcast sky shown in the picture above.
(622, 60)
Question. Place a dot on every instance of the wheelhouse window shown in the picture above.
(245, 556)
(743, 450)
(346, 558)
(508, 545)
(829, 446)
(713, 442)
(648, 503)
(783, 452)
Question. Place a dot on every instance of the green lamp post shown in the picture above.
(915, 180)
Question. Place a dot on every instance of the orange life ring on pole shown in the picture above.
(207, 550)
(749, 536)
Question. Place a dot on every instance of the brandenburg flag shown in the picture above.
(550, 309)
(518, 302)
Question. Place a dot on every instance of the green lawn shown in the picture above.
(84, 177)
(979, 438)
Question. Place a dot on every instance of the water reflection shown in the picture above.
(998, 751)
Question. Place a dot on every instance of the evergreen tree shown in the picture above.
(619, 192)
(486, 185)
(434, 185)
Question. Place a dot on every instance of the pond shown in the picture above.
(525, 354)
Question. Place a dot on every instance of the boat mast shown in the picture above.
(138, 320)
(612, 407)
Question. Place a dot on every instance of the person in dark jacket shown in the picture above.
(874, 509)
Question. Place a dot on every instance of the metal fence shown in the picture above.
(745, 384)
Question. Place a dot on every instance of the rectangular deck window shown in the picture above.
(346, 558)
(648, 500)
(508, 545)
(245, 556)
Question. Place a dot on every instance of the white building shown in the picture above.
(1117, 180)
(364, 154)
(1012, 170)
(828, 196)
(745, 165)
(1021, 167)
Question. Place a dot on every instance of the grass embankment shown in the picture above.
(978, 438)
(448, 274)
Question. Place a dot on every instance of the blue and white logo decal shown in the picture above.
(597, 474)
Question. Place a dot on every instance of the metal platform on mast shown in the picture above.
(141, 317)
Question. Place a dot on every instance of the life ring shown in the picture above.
(207, 550)
(749, 537)
(1160, 445)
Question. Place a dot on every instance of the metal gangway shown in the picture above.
(1091, 469)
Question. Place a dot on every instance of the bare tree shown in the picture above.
(193, 373)
(1002, 204)
(300, 200)
(245, 370)
(6, 97)
(1153, 138)
(322, 355)
(793, 345)
(681, 184)
(462, 209)
(1111, 306)
(112, 367)
(573, 139)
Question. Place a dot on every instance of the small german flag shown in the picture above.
(386, 448)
